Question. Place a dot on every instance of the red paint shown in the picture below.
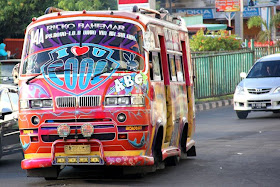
(132, 2)
(185, 61)
(78, 51)
(164, 60)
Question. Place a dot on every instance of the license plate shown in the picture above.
(258, 105)
(77, 149)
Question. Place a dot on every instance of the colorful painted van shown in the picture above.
(105, 88)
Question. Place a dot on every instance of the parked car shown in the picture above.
(9, 131)
(260, 89)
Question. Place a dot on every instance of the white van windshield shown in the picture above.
(265, 69)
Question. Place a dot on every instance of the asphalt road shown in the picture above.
(230, 152)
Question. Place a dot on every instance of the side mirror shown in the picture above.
(5, 111)
(243, 75)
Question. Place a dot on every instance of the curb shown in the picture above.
(214, 104)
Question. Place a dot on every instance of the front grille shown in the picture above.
(259, 90)
(64, 102)
(84, 101)
(88, 101)
(259, 101)
(101, 137)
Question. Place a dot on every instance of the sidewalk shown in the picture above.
(213, 104)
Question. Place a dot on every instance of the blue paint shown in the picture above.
(52, 74)
(86, 63)
(62, 53)
(140, 144)
(24, 145)
(72, 81)
(71, 62)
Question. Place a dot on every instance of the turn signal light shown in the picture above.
(122, 136)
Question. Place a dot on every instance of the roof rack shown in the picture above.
(162, 14)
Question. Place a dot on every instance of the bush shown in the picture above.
(220, 41)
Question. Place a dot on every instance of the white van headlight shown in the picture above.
(239, 89)
(277, 90)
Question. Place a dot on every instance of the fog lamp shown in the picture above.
(87, 130)
(63, 130)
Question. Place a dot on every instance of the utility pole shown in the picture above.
(239, 21)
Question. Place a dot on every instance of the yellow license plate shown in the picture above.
(133, 128)
(77, 149)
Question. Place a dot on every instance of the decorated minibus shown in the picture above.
(105, 88)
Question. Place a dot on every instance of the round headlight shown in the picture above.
(63, 130)
(121, 117)
(87, 130)
(35, 120)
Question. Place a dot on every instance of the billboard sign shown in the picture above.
(129, 4)
(209, 13)
(227, 5)
(263, 3)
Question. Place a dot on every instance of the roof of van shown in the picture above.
(270, 57)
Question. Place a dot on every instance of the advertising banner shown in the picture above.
(128, 4)
(227, 5)
(209, 13)
(263, 3)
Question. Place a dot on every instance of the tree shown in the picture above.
(220, 41)
(87, 4)
(15, 15)
(265, 34)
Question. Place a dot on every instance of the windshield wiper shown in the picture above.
(34, 77)
(112, 69)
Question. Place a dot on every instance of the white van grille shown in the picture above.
(259, 90)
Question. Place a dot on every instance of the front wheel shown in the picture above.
(242, 114)
(1, 149)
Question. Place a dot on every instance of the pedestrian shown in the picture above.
(3, 53)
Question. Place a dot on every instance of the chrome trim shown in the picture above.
(66, 101)
(258, 90)
(89, 100)
(81, 101)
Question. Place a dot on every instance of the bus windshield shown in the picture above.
(114, 43)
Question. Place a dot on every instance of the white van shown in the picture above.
(260, 89)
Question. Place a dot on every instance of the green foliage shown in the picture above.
(220, 41)
(15, 15)
(257, 21)
(73, 5)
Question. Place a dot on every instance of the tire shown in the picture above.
(172, 161)
(157, 154)
(242, 114)
(1, 150)
(184, 138)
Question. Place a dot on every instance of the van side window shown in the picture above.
(179, 69)
(172, 68)
(155, 66)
